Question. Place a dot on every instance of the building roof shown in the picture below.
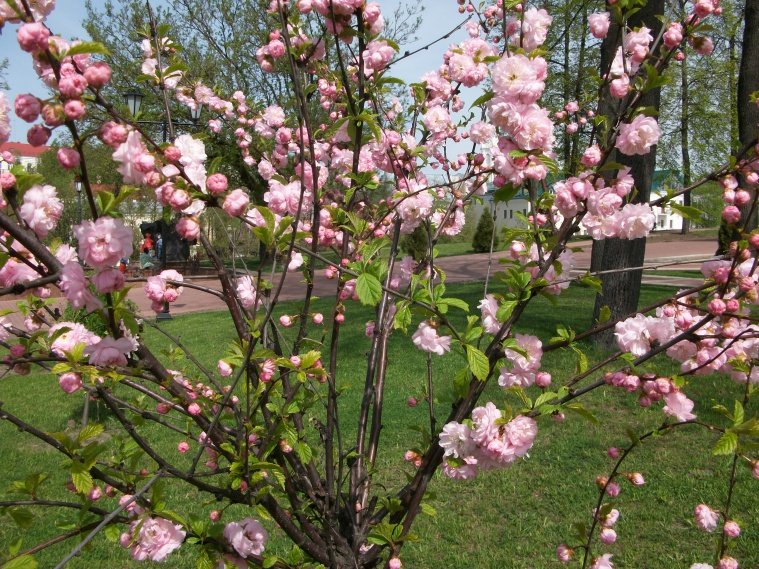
(23, 149)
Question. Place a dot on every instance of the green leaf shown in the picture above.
(591, 282)
(727, 444)
(369, 289)
(402, 317)
(739, 415)
(482, 99)
(112, 533)
(687, 211)
(270, 561)
(455, 302)
(505, 193)
(87, 47)
(90, 432)
(478, 362)
(81, 477)
(22, 516)
(604, 314)
(582, 412)
(23, 562)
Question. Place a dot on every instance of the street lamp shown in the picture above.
(133, 100)
(78, 188)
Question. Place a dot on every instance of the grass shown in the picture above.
(511, 518)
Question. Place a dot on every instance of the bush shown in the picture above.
(417, 243)
(483, 235)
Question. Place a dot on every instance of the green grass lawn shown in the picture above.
(504, 519)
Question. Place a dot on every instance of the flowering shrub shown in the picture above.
(349, 172)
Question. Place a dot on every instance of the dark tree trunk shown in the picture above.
(575, 154)
(621, 290)
(748, 82)
(748, 75)
(685, 138)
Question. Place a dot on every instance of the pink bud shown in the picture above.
(732, 529)
(70, 382)
(215, 515)
(183, 447)
(193, 409)
(317, 318)
(608, 536)
(543, 379)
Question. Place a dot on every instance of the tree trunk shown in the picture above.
(748, 82)
(575, 154)
(621, 290)
(685, 137)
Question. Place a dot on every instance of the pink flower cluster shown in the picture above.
(523, 362)
(427, 339)
(159, 290)
(486, 443)
(152, 538)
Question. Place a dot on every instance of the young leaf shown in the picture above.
(369, 289)
(478, 362)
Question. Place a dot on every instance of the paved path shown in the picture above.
(464, 268)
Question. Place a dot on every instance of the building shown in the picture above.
(509, 215)
(26, 155)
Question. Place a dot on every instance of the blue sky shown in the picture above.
(439, 17)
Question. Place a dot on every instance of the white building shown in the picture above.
(26, 155)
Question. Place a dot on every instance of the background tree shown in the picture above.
(483, 235)
(621, 290)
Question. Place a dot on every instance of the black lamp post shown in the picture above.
(78, 188)
(133, 101)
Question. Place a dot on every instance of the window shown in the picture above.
(504, 214)
(511, 214)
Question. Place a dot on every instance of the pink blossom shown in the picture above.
(516, 78)
(37, 135)
(727, 562)
(41, 209)
(377, 55)
(564, 553)
(216, 183)
(183, 447)
(246, 292)
(194, 409)
(673, 36)
(33, 37)
(592, 156)
(109, 351)
(599, 24)
(104, 242)
(608, 536)
(236, 202)
(489, 307)
(638, 136)
(188, 228)
(72, 86)
(27, 107)
(108, 280)
(678, 406)
(68, 158)
(635, 221)
(70, 382)
(732, 529)
(75, 287)
(426, 339)
(603, 562)
(155, 539)
(531, 30)
(247, 537)
(706, 518)
(224, 369)
(128, 155)
(67, 335)
(394, 563)
(74, 109)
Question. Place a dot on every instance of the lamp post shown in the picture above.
(78, 188)
(133, 100)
